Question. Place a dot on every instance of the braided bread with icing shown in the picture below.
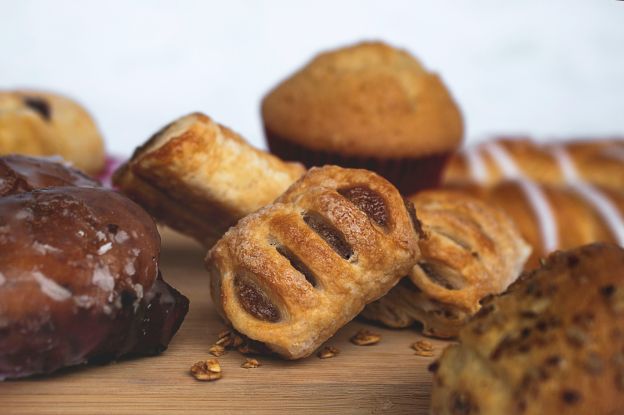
(293, 273)
(557, 217)
(599, 162)
(470, 250)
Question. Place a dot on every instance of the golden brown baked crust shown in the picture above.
(293, 273)
(44, 124)
(553, 344)
(557, 217)
(598, 161)
(200, 177)
(471, 250)
(368, 100)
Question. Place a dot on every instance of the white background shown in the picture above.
(549, 68)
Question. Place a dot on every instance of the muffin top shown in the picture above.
(367, 100)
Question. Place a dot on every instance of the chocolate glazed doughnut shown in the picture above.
(79, 278)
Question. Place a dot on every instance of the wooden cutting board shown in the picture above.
(385, 378)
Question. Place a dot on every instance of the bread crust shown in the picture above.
(553, 343)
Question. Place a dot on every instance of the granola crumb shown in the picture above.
(230, 339)
(365, 338)
(206, 370)
(423, 345)
(250, 364)
(217, 350)
(423, 348)
(224, 338)
(327, 352)
(247, 348)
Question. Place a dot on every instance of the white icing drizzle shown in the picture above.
(44, 249)
(605, 207)
(105, 248)
(103, 278)
(50, 288)
(129, 268)
(24, 214)
(121, 237)
(565, 164)
(537, 199)
(476, 165)
(599, 201)
(544, 212)
(84, 301)
(504, 161)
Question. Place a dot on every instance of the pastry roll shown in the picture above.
(200, 177)
(43, 124)
(598, 162)
(290, 275)
(471, 250)
(553, 344)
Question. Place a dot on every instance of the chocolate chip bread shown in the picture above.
(553, 344)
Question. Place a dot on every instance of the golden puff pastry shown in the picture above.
(553, 344)
(471, 250)
(293, 273)
(43, 124)
(200, 177)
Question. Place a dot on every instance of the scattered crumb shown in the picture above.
(104, 248)
(230, 339)
(251, 364)
(217, 350)
(327, 352)
(365, 338)
(206, 370)
(423, 348)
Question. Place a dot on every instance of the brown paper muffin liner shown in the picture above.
(409, 174)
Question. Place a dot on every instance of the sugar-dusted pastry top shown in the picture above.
(553, 344)
(293, 273)
(79, 277)
(368, 100)
(200, 177)
(39, 123)
(470, 250)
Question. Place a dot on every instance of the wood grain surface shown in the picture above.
(385, 378)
